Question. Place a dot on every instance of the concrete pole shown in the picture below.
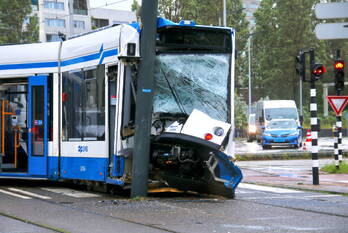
(143, 112)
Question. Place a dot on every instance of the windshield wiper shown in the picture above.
(175, 94)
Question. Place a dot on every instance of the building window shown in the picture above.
(79, 24)
(52, 37)
(119, 22)
(55, 22)
(80, 7)
(83, 100)
(254, 6)
(98, 23)
(34, 5)
(54, 5)
(26, 21)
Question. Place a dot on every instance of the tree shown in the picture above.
(283, 28)
(16, 24)
(169, 9)
(137, 8)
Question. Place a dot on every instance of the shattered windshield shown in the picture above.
(184, 82)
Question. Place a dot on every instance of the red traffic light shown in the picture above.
(319, 69)
(339, 65)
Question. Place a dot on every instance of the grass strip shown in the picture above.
(331, 168)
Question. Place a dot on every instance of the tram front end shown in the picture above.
(192, 134)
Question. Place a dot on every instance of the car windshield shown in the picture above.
(282, 125)
(184, 82)
(281, 113)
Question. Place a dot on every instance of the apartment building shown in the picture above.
(74, 17)
(250, 6)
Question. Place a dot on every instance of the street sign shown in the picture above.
(337, 103)
(325, 31)
(333, 10)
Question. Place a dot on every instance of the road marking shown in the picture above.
(28, 193)
(70, 192)
(267, 188)
(343, 181)
(318, 196)
(14, 194)
(271, 197)
(290, 197)
(241, 192)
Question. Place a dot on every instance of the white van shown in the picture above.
(267, 110)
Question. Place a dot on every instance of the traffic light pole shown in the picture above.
(314, 121)
(338, 131)
(141, 155)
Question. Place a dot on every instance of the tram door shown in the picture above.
(37, 124)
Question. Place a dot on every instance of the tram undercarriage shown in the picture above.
(192, 165)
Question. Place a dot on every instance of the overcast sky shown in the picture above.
(113, 4)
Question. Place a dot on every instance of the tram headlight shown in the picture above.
(218, 131)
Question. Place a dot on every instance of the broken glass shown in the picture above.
(199, 81)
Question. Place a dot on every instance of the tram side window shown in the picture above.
(83, 100)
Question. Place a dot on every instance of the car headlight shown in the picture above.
(293, 134)
(252, 128)
(267, 134)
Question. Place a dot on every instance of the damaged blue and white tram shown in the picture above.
(68, 108)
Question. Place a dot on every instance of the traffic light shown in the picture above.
(300, 65)
(318, 70)
(339, 74)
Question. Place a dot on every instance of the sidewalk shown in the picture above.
(292, 174)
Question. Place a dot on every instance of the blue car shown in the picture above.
(281, 132)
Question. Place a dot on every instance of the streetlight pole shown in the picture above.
(224, 13)
(249, 88)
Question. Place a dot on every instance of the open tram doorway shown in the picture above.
(24, 125)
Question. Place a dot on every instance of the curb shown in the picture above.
(284, 156)
(302, 187)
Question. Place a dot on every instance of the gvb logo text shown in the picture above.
(82, 149)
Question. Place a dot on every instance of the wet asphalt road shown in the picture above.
(52, 207)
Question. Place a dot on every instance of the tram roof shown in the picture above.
(99, 47)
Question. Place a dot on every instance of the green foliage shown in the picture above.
(240, 109)
(12, 26)
(282, 29)
(136, 7)
(331, 168)
(326, 122)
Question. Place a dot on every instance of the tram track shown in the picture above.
(37, 224)
(96, 208)
(81, 210)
